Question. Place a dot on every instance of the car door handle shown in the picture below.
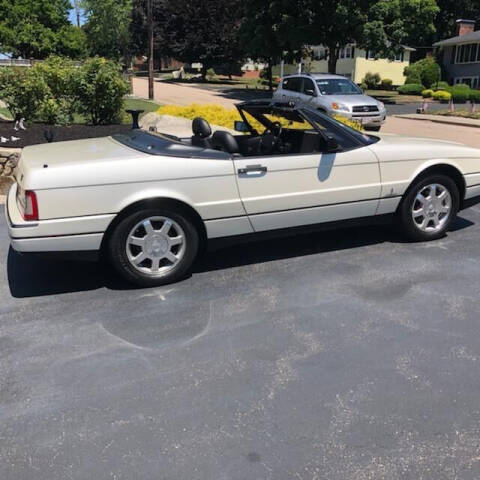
(252, 169)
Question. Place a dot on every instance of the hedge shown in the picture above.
(411, 89)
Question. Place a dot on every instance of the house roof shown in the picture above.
(467, 38)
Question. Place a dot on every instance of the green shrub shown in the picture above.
(475, 96)
(60, 75)
(442, 96)
(22, 92)
(100, 89)
(211, 73)
(461, 86)
(425, 71)
(460, 93)
(364, 86)
(386, 84)
(440, 86)
(371, 80)
(411, 89)
(427, 93)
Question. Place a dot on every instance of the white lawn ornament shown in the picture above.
(3, 140)
(20, 125)
(14, 139)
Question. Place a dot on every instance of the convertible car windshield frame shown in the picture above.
(319, 121)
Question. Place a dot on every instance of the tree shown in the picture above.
(452, 10)
(37, 28)
(391, 24)
(334, 24)
(200, 31)
(107, 27)
(272, 30)
(139, 28)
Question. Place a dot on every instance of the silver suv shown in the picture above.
(335, 95)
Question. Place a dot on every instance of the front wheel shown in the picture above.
(154, 247)
(428, 208)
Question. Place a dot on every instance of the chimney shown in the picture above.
(465, 26)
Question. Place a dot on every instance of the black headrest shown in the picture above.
(225, 141)
(201, 127)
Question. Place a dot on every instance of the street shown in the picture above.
(345, 354)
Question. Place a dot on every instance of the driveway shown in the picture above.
(345, 355)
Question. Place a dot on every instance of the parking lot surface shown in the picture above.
(336, 355)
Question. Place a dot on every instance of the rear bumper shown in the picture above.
(57, 235)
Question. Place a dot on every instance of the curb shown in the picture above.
(445, 121)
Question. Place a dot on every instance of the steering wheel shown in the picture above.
(276, 131)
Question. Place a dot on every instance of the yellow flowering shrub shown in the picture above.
(226, 117)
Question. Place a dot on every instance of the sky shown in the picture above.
(73, 17)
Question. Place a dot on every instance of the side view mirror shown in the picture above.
(332, 145)
(240, 126)
(310, 92)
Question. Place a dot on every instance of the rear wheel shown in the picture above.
(429, 208)
(154, 246)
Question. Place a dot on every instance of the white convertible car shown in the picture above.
(150, 201)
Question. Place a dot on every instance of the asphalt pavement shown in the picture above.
(337, 355)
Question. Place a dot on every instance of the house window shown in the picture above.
(320, 53)
(347, 52)
(468, 53)
(370, 55)
(399, 57)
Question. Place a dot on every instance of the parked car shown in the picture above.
(335, 95)
(149, 202)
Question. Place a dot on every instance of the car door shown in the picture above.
(307, 91)
(291, 88)
(282, 191)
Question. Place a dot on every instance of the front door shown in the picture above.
(285, 191)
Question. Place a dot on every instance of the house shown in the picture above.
(355, 62)
(460, 55)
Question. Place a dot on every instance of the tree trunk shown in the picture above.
(204, 72)
(332, 59)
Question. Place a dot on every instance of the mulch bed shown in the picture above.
(35, 133)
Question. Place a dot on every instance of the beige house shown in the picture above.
(354, 63)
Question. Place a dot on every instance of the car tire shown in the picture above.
(154, 246)
(428, 208)
(373, 129)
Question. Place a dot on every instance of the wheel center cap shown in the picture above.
(156, 245)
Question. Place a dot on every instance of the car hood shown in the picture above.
(353, 100)
(391, 147)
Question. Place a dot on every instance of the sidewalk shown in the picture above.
(459, 121)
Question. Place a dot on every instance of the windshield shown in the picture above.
(337, 86)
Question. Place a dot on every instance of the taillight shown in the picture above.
(31, 206)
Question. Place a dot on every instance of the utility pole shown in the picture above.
(150, 48)
(77, 11)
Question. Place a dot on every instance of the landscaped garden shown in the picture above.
(61, 100)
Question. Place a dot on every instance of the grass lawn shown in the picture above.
(463, 113)
(393, 97)
(5, 113)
